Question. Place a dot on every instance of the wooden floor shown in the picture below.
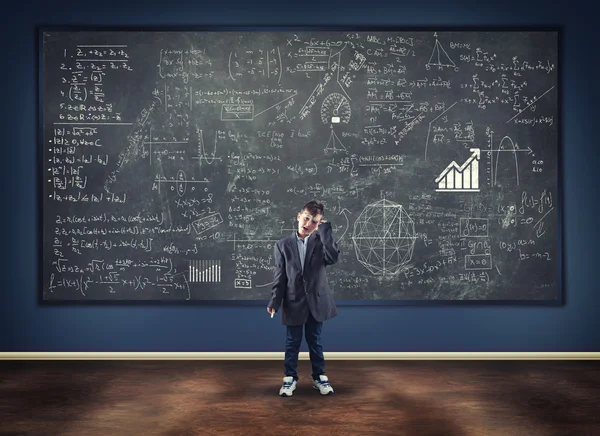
(448, 398)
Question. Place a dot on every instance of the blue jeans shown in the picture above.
(293, 341)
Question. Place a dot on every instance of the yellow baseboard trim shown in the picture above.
(303, 356)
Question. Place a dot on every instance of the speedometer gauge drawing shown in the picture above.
(335, 109)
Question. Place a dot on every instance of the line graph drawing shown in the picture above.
(439, 57)
(513, 149)
(384, 237)
(506, 145)
(202, 154)
(463, 178)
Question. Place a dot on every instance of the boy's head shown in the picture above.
(309, 217)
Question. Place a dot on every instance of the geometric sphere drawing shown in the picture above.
(384, 237)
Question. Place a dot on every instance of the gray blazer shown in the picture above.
(299, 292)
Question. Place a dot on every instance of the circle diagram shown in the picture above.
(335, 109)
(384, 237)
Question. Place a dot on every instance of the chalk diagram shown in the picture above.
(202, 153)
(384, 237)
(334, 102)
(440, 58)
(204, 271)
(335, 109)
(463, 178)
(506, 144)
(334, 145)
(179, 183)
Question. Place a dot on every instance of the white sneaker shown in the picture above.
(323, 385)
(288, 387)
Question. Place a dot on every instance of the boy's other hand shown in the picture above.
(271, 310)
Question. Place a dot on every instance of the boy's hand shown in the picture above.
(271, 310)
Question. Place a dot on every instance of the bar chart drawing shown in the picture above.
(463, 178)
(206, 271)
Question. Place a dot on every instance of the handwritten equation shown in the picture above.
(173, 162)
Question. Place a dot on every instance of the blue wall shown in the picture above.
(25, 325)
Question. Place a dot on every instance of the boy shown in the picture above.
(300, 288)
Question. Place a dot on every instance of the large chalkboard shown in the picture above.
(174, 160)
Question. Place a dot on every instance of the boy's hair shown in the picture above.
(314, 207)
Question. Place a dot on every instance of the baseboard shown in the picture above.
(303, 356)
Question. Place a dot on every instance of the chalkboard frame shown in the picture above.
(559, 261)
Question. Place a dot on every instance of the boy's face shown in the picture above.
(307, 223)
